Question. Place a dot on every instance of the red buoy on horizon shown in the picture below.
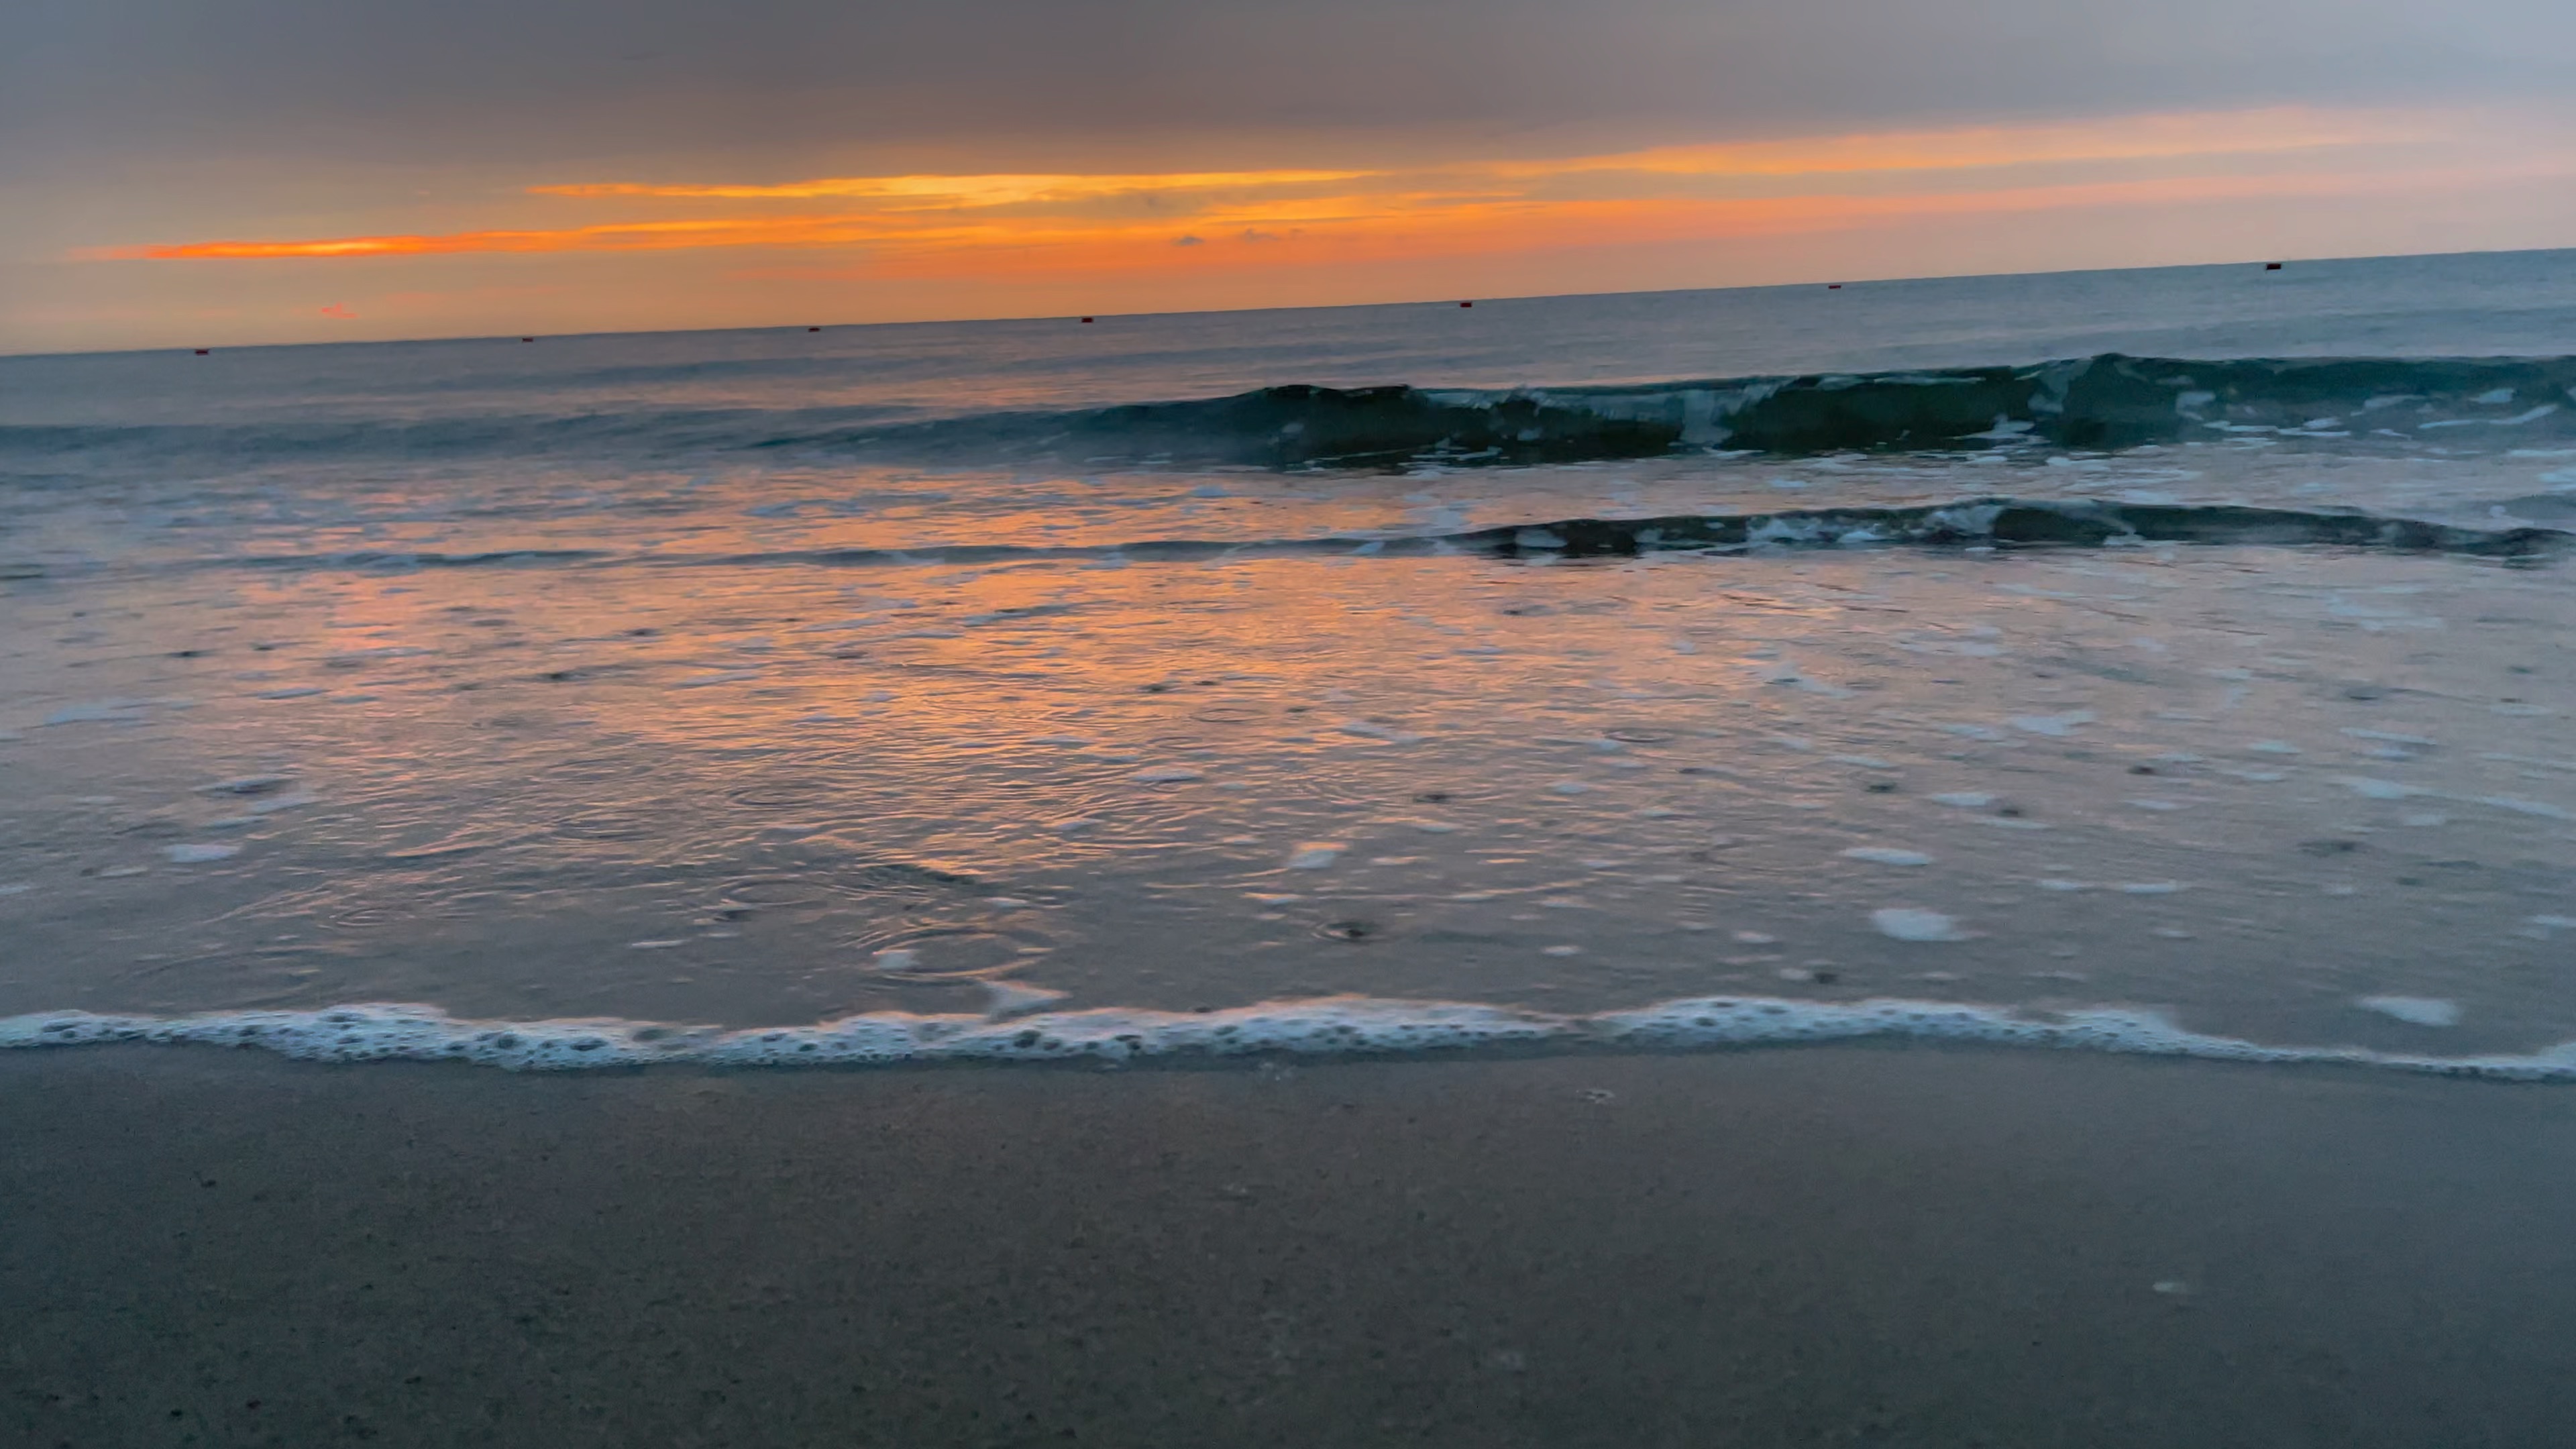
(527, 339)
(203, 351)
(1086, 319)
(813, 329)
(1833, 286)
(1466, 304)
(2271, 266)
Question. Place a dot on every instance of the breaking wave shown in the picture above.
(2104, 402)
(2003, 523)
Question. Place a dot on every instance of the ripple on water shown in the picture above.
(899, 878)
(418, 906)
(952, 953)
(788, 795)
(364, 916)
(611, 825)
(772, 890)
(1352, 930)
(829, 881)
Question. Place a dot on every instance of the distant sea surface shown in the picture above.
(2173, 661)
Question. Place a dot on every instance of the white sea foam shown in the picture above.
(1327, 1026)
(2052, 724)
(1006, 999)
(2414, 1010)
(1881, 855)
(2541, 808)
(1908, 923)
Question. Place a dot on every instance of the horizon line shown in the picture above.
(1450, 300)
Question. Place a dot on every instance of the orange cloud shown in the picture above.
(2276, 130)
(956, 225)
(620, 236)
(963, 190)
(1541, 226)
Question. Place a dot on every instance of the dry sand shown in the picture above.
(1838, 1246)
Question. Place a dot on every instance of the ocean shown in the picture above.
(2168, 661)
(1913, 864)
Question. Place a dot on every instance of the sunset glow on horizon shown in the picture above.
(997, 226)
(945, 188)
(1671, 191)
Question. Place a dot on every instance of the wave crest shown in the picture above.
(2103, 402)
(1987, 522)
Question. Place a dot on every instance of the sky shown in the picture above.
(229, 172)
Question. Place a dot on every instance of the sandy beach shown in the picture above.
(1850, 1245)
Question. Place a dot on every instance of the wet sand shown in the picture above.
(1833, 1246)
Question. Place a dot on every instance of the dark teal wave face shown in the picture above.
(2110, 401)
(2105, 402)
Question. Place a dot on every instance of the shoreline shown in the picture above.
(1873, 1243)
(1321, 1029)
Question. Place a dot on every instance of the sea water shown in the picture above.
(2167, 661)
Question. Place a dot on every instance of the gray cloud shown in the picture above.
(92, 84)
